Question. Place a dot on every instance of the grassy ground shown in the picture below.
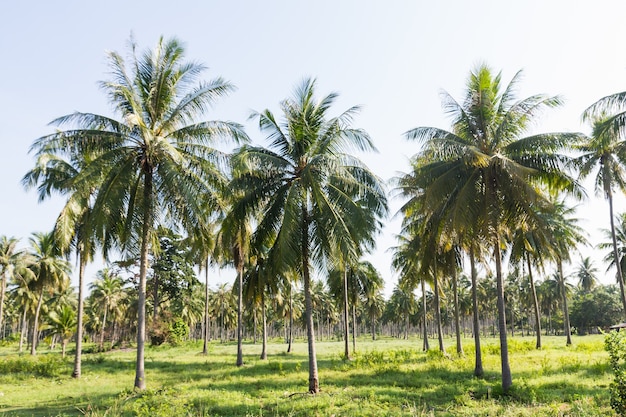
(388, 377)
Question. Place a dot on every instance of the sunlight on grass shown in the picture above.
(389, 377)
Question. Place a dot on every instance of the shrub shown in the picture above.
(615, 345)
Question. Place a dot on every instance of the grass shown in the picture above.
(389, 377)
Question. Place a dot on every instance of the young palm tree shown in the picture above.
(484, 172)
(107, 291)
(308, 190)
(156, 161)
(566, 236)
(605, 152)
(56, 170)
(586, 274)
(63, 323)
(9, 258)
(49, 272)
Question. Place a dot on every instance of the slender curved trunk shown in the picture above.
(457, 314)
(478, 367)
(35, 336)
(76, 373)
(535, 302)
(206, 308)
(140, 373)
(346, 329)
(264, 325)
(438, 314)
(620, 277)
(566, 325)
(373, 327)
(507, 379)
(425, 346)
(308, 304)
(240, 317)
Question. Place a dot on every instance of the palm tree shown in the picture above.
(586, 274)
(529, 246)
(107, 292)
(56, 170)
(567, 235)
(9, 258)
(49, 272)
(620, 239)
(605, 152)
(63, 322)
(156, 161)
(484, 171)
(308, 189)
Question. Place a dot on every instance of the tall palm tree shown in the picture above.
(586, 272)
(308, 189)
(9, 257)
(605, 153)
(620, 240)
(485, 171)
(56, 171)
(567, 234)
(156, 161)
(107, 291)
(49, 272)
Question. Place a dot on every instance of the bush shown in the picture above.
(615, 344)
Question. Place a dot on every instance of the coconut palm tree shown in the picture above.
(308, 190)
(63, 323)
(50, 271)
(9, 258)
(485, 171)
(56, 171)
(107, 291)
(567, 235)
(156, 161)
(586, 274)
(605, 154)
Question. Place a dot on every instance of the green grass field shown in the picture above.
(389, 377)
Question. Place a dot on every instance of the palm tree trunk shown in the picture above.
(353, 328)
(290, 318)
(33, 346)
(616, 258)
(457, 314)
(22, 331)
(264, 324)
(566, 324)
(206, 308)
(140, 373)
(3, 286)
(240, 317)
(346, 330)
(425, 346)
(104, 323)
(438, 315)
(535, 302)
(254, 326)
(308, 305)
(507, 379)
(76, 373)
(478, 367)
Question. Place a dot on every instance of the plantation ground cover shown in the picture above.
(388, 377)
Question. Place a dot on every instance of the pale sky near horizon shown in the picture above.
(392, 58)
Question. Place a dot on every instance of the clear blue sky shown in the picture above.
(391, 57)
